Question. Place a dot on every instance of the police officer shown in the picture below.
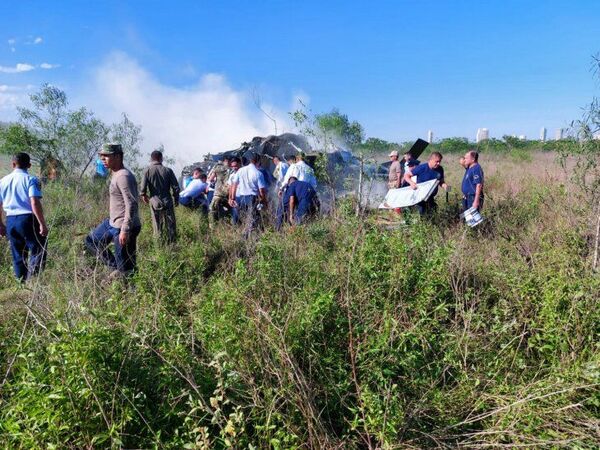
(431, 170)
(26, 230)
(303, 201)
(472, 184)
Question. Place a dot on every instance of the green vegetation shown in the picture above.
(337, 334)
(64, 142)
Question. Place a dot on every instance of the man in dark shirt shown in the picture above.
(472, 184)
(431, 170)
(303, 200)
(161, 189)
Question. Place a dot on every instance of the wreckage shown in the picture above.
(282, 146)
(287, 144)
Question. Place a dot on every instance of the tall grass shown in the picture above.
(338, 334)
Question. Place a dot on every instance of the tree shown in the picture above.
(58, 138)
(375, 145)
(584, 149)
(337, 125)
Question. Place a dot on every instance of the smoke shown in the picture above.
(207, 117)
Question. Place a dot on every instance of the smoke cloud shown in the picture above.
(207, 117)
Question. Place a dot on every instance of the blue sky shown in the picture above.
(398, 67)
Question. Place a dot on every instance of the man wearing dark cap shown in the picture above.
(26, 230)
(161, 189)
(123, 225)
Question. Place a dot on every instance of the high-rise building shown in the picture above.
(558, 135)
(430, 136)
(483, 134)
(543, 134)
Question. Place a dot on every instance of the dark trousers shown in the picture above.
(235, 212)
(200, 201)
(163, 223)
(468, 200)
(281, 213)
(307, 208)
(427, 207)
(100, 238)
(23, 233)
(248, 214)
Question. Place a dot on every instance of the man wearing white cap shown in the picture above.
(395, 175)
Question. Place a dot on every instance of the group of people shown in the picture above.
(230, 188)
(243, 192)
(411, 172)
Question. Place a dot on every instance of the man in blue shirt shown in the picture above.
(472, 184)
(431, 170)
(26, 230)
(303, 200)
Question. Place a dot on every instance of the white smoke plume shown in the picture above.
(207, 117)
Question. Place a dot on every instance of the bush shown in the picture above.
(334, 334)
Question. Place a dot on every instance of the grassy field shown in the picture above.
(339, 334)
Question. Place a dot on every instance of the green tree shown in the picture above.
(583, 148)
(65, 141)
(375, 145)
(337, 125)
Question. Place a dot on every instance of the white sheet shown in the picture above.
(407, 196)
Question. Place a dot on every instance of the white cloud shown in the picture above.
(20, 67)
(12, 41)
(209, 116)
(10, 98)
(38, 40)
(49, 66)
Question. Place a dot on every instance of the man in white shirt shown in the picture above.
(26, 230)
(301, 171)
(195, 192)
(234, 166)
(281, 168)
(248, 193)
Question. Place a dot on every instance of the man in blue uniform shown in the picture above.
(303, 200)
(26, 230)
(431, 170)
(472, 184)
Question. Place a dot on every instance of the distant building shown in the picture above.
(558, 135)
(430, 136)
(522, 137)
(483, 134)
(543, 134)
